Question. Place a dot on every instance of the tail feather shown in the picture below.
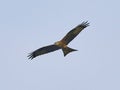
(67, 50)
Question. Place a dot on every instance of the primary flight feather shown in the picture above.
(62, 44)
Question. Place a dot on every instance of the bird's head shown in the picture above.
(60, 44)
(57, 43)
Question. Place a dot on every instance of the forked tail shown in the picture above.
(67, 50)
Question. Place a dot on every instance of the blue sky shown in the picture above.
(26, 25)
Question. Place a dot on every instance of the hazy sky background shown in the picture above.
(26, 25)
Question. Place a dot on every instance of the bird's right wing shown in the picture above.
(43, 50)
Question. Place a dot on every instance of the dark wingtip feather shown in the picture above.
(31, 56)
(84, 24)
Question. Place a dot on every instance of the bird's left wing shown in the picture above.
(43, 50)
(74, 32)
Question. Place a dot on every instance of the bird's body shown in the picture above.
(62, 44)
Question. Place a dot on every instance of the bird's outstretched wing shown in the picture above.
(43, 50)
(74, 32)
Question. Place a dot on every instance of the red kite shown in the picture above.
(62, 44)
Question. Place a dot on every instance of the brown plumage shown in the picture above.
(62, 44)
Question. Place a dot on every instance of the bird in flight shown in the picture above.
(62, 44)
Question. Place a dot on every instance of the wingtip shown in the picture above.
(30, 56)
(85, 24)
